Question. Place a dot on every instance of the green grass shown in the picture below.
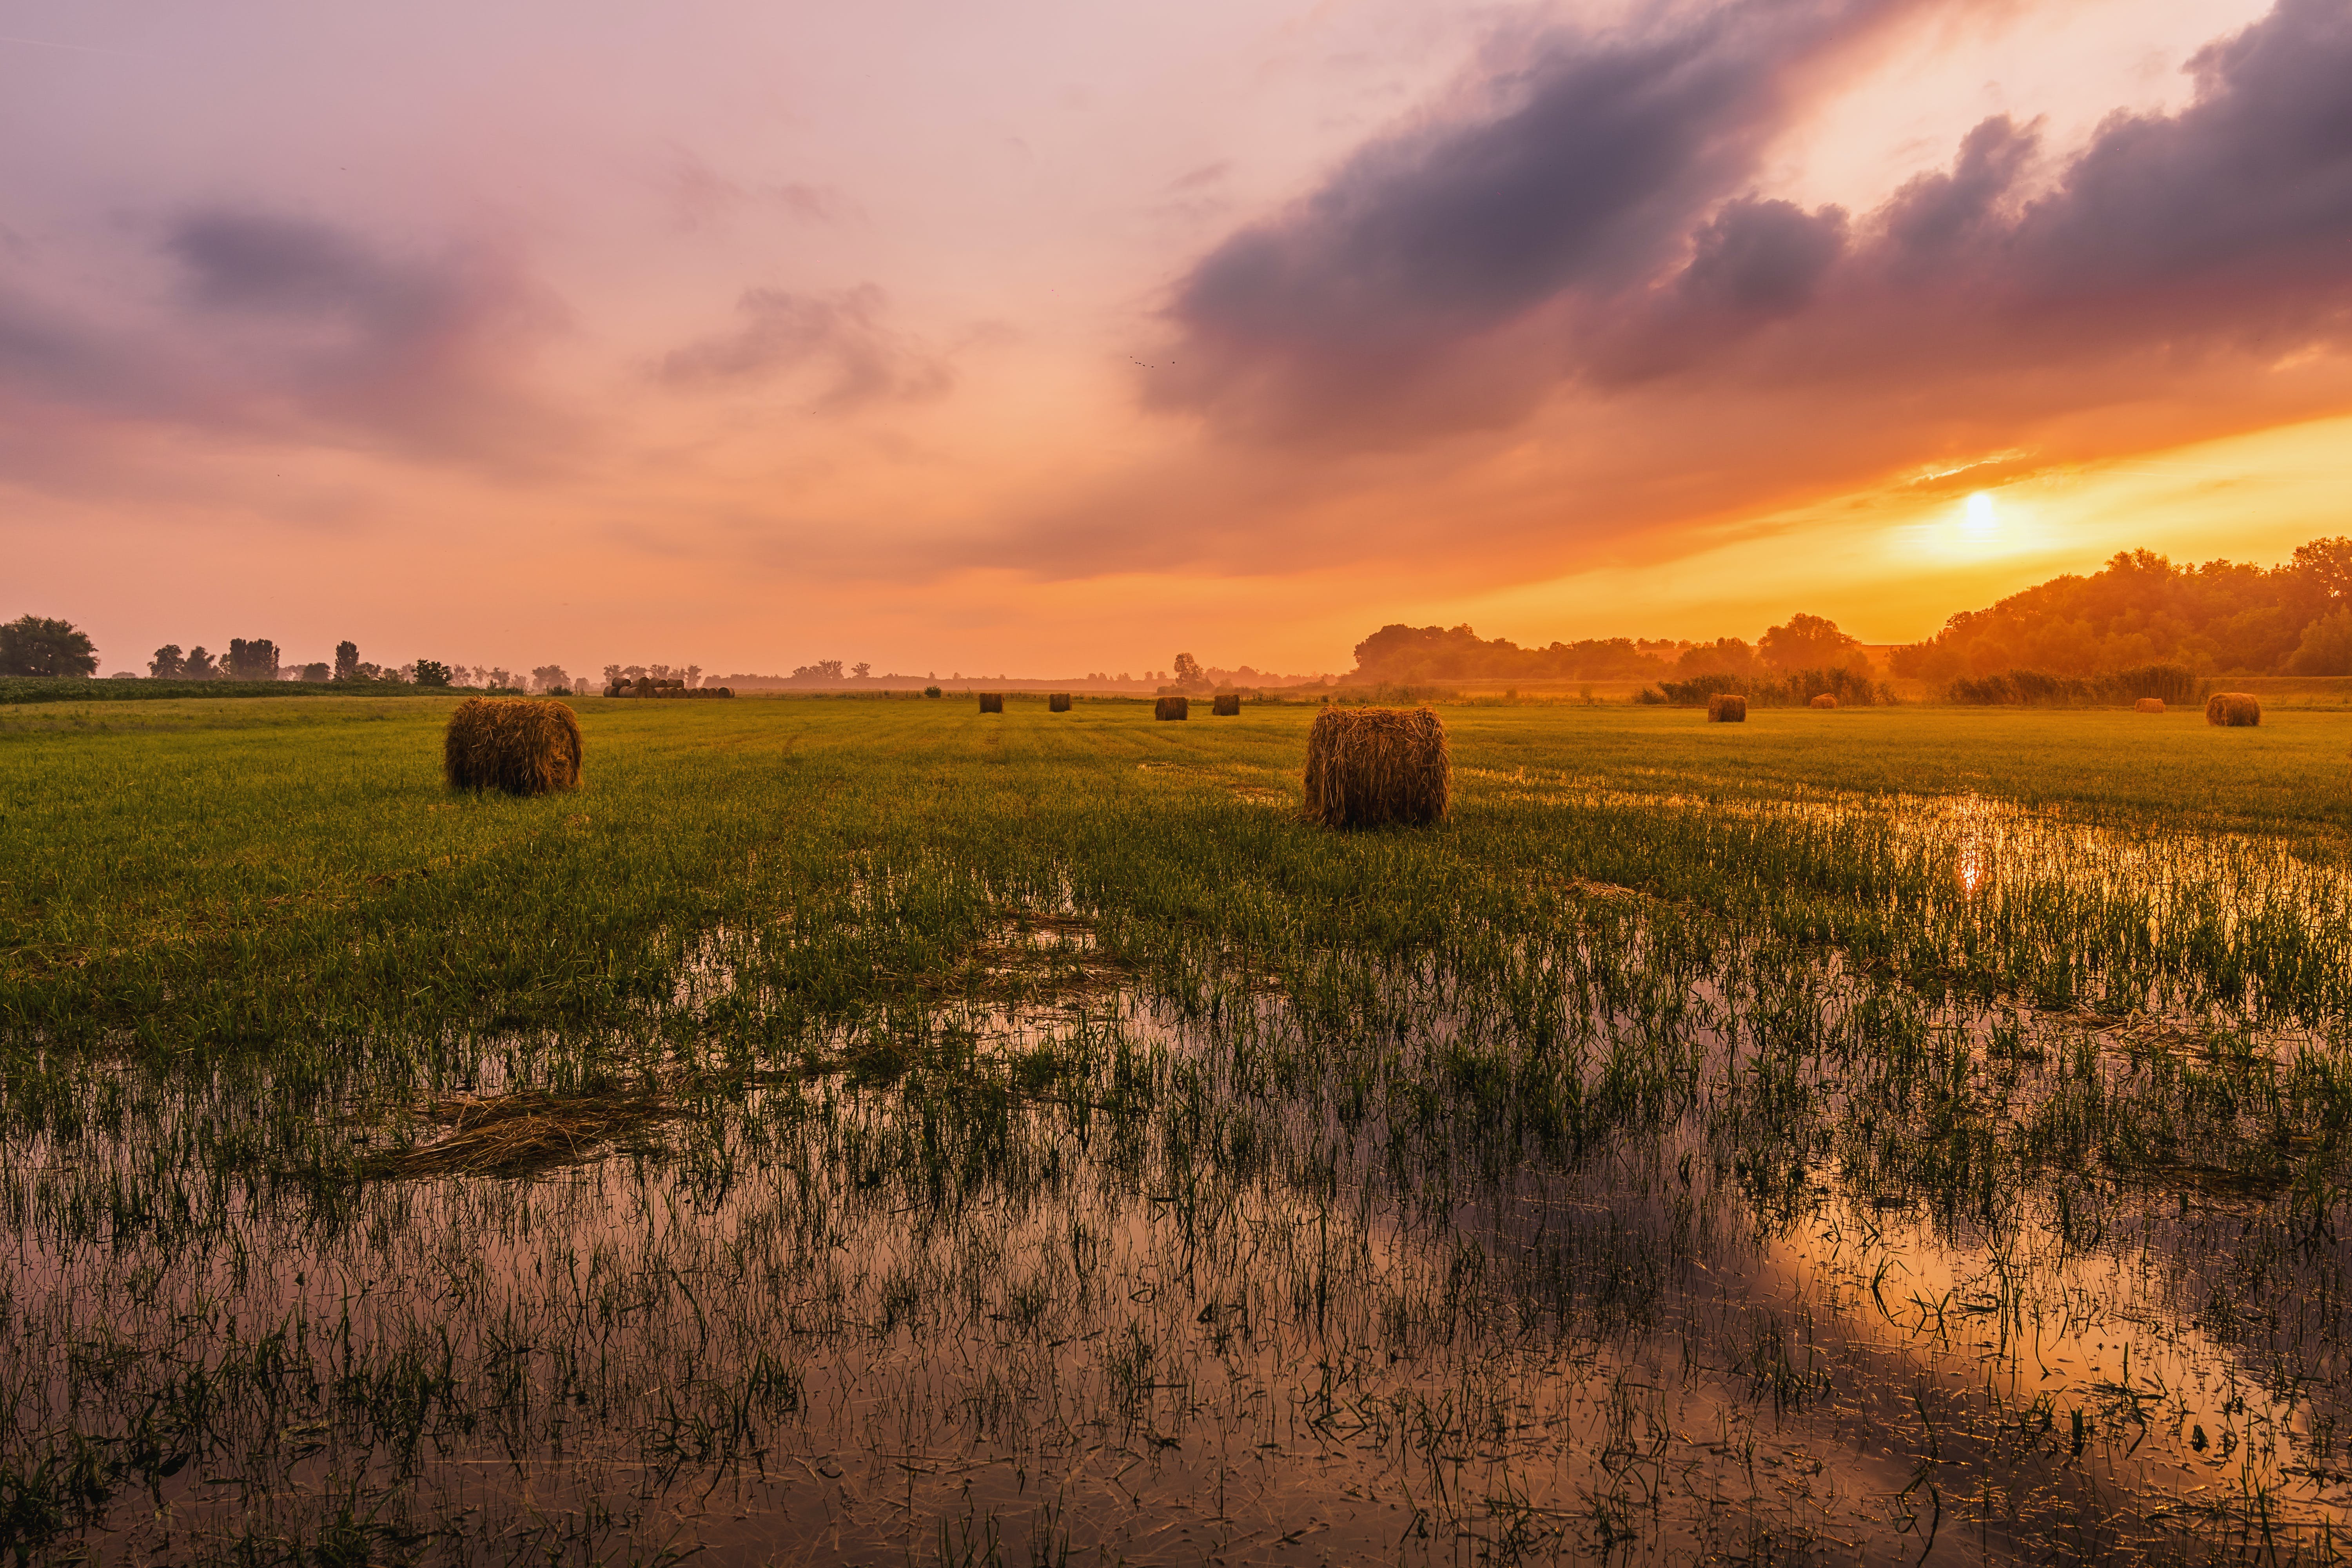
(207, 876)
(1033, 1100)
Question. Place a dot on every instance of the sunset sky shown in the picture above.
(1048, 337)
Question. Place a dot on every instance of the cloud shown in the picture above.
(1583, 176)
(1601, 228)
(275, 326)
(840, 342)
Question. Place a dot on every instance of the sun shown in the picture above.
(1979, 522)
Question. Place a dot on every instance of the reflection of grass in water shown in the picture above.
(1444, 1167)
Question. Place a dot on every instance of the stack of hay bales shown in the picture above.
(2148, 705)
(646, 686)
(2234, 708)
(1366, 766)
(1058, 702)
(1172, 708)
(1227, 706)
(1826, 700)
(513, 743)
(1727, 707)
(991, 703)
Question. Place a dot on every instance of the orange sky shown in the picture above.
(1043, 338)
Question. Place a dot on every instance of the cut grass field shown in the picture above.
(954, 1136)
(217, 875)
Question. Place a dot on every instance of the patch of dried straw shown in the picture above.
(1366, 766)
(516, 1134)
(991, 703)
(1227, 706)
(1727, 707)
(1058, 702)
(1171, 708)
(2148, 705)
(2236, 710)
(1826, 700)
(519, 744)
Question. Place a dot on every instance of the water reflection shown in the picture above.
(1234, 1291)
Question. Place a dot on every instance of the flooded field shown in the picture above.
(904, 1146)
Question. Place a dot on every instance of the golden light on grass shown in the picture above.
(518, 745)
(1367, 766)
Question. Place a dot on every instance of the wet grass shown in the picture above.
(869, 1131)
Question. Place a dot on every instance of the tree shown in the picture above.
(1187, 671)
(550, 678)
(199, 666)
(2328, 563)
(254, 660)
(2326, 646)
(34, 645)
(167, 663)
(432, 672)
(317, 674)
(861, 670)
(347, 660)
(1807, 642)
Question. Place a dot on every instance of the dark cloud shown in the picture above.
(1604, 231)
(272, 325)
(1584, 179)
(839, 341)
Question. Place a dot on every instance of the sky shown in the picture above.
(1037, 337)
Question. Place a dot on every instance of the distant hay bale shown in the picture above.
(512, 744)
(991, 703)
(1057, 702)
(1727, 707)
(2236, 710)
(1172, 708)
(1227, 706)
(1826, 700)
(2148, 705)
(1366, 766)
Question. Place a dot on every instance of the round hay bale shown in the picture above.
(991, 703)
(513, 743)
(2236, 710)
(1058, 702)
(1826, 700)
(1228, 705)
(1727, 707)
(2148, 705)
(1171, 708)
(1366, 766)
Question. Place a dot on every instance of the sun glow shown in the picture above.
(1980, 522)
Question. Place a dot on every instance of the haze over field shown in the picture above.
(1043, 338)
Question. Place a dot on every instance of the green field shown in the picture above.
(863, 1129)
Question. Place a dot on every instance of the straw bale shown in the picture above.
(1366, 766)
(1826, 700)
(1727, 707)
(2234, 708)
(1057, 702)
(519, 744)
(1172, 708)
(991, 703)
(2148, 705)
(1228, 705)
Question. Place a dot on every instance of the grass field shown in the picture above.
(860, 1130)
